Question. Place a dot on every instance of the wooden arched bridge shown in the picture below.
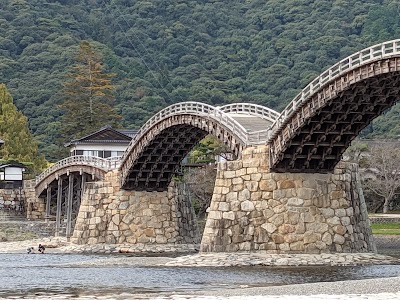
(309, 136)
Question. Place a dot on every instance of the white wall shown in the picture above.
(12, 173)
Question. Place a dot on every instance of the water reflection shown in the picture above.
(34, 274)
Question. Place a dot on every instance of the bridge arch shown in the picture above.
(315, 129)
(154, 155)
(94, 166)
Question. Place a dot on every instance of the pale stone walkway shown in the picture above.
(60, 245)
(259, 259)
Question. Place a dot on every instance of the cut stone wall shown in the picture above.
(12, 204)
(254, 209)
(111, 215)
(35, 207)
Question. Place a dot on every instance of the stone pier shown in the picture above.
(254, 209)
(111, 215)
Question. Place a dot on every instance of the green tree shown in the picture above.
(209, 149)
(20, 145)
(89, 99)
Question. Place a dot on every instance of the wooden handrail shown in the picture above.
(363, 57)
(106, 164)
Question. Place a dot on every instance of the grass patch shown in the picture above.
(386, 229)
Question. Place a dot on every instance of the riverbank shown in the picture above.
(379, 289)
(174, 255)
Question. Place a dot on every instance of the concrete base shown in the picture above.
(254, 209)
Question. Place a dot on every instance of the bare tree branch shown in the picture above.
(381, 174)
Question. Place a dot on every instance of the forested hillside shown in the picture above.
(168, 51)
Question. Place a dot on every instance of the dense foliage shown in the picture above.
(88, 103)
(213, 51)
(19, 144)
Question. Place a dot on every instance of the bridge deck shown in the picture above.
(251, 123)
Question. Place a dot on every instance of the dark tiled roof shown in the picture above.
(106, 135)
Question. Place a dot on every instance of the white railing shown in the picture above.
(252, 110)
(363, 57)
(106, 164)
(192, 108)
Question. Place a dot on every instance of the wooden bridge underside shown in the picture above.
(158, 155)
(315, 138)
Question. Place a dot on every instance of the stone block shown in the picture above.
(252, 186)
(237, 187)
(317, 227)
(267, 213)
(277, 219)
(286, 184)
(339, 229)
(338, 239)
(340, 212)
(232, 196)
(216, 215)
(284, 247)
(297, 246)
(267, 185)
(286, 228)
(244, 195)
(327, 212)
(269, 227)
(256, 177)
(236, 180)
(228, 215)
(279, 209)
(292, 217)
(295, 202)
(311, 237)
(250, 171)
(223, 206)
(229, 174)
(278, 238)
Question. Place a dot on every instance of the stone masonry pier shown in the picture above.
(254, 209)
(111, 215)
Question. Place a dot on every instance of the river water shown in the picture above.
(28, 276)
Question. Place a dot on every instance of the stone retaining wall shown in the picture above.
(35, 207)
(114, 216)
(12, 203)
(254, 209)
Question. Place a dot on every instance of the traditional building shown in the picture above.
(105, 143)
(11, 176)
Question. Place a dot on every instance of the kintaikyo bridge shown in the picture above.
(288, 191)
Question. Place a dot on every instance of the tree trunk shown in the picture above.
(386, 206)
(377, 207)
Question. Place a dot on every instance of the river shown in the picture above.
(27, 276)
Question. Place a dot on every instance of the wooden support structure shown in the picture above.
(316, 135)
(69, 204)
(48, 202)
(59, 203)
